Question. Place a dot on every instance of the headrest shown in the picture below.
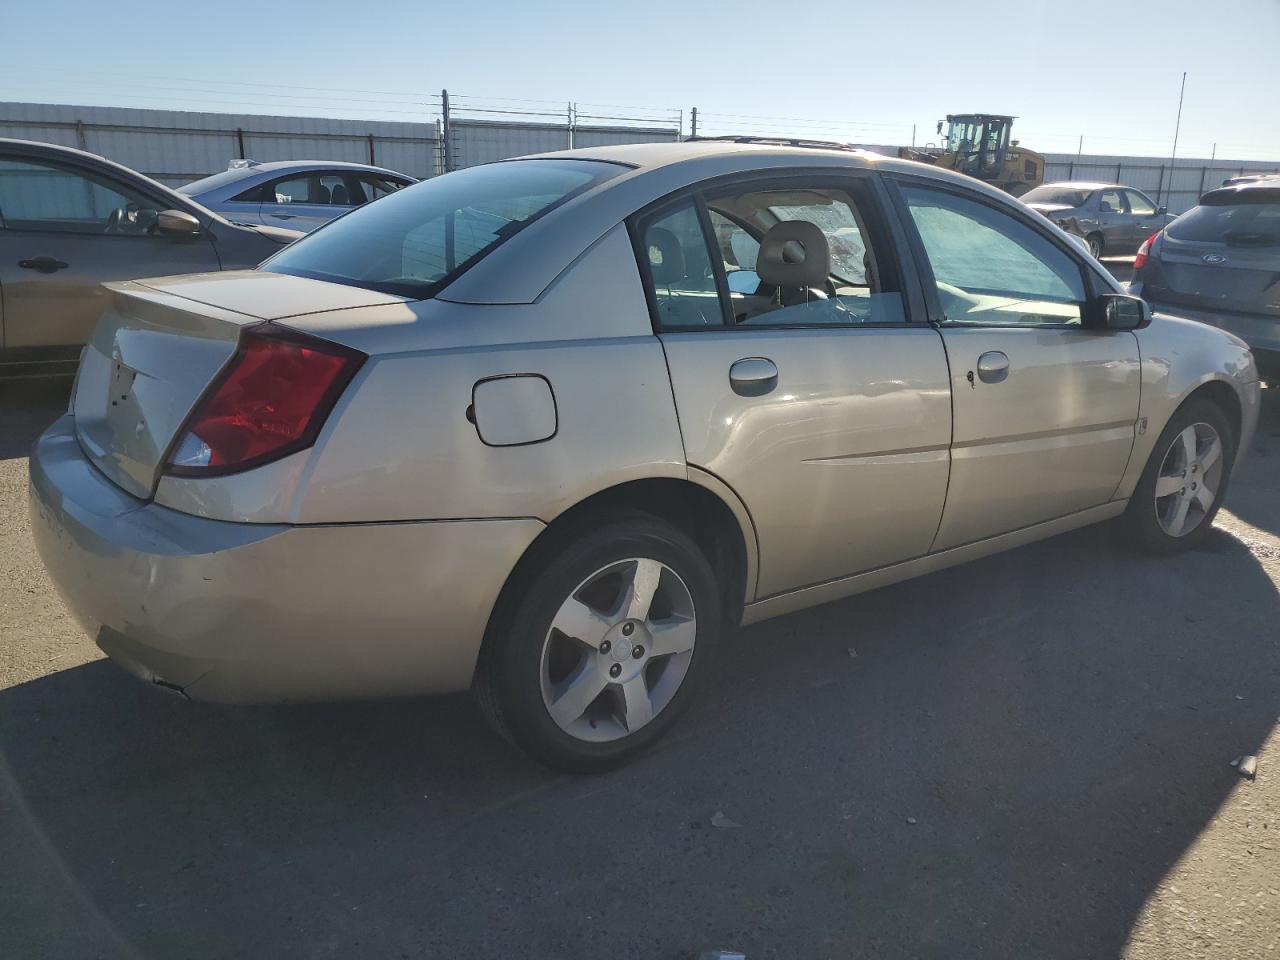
(794, 253)
(668, 268)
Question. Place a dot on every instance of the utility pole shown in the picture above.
(446, 133)
(693, 122)
(1177, 127)
(572, 113)
(1079, 148)
(913, 136)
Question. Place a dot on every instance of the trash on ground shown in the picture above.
(853, 654)
(912, 820)
(718, 819)
(1246, 766)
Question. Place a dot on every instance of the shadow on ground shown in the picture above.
(1017, 753)
(1252, 496)
(26, 408)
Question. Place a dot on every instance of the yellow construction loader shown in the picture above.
(978, 144)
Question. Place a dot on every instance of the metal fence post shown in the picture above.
(371, 163)
(693, 122)
(446, 133)
(1160, 187)
(572, 114)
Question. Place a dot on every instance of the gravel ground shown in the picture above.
(1027, 757)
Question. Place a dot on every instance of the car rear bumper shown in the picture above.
(1261, 333)
(257, 613)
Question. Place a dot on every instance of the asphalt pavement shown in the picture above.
(1024, 757)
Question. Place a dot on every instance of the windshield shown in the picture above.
(1237, 224)
(205, 184)
(415, 241)
(1050, 194)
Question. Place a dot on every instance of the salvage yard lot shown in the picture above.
(1024, 756)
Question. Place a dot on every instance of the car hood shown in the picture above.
(268, 296)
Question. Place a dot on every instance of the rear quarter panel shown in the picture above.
(400, 445)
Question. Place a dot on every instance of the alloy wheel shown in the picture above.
(1187, 484)
(618, 650)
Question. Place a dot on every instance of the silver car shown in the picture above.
(298, 194)
(548, 428)
(1113, 219)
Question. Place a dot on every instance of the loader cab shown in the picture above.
(979, 143)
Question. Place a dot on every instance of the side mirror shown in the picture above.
(1119, 311)
(177, 223)
(939, 130)
(1161, 211)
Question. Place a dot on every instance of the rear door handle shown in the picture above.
(993, 367)
(753, 376)
(43, 264)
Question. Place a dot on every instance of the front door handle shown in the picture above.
(993, 367)
(753, 376)
(43, 264)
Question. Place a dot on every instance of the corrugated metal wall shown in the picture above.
(1151, 175)
(483, 141)
(176, 147)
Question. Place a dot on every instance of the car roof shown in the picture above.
(1084, 184)
(277, 165)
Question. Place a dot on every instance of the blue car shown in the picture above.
(298, 194)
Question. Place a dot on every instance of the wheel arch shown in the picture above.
(702, 506)
(1217, 389)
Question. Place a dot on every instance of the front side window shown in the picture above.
(989, 267)
(54, 198)
(1139, 205)
(419, 239)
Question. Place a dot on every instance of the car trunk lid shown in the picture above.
(158, 347)
(1223, 275)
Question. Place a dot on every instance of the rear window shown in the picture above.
(415, 241)
(1235, 224)
(1070, 198)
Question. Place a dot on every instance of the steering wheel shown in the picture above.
(115, 219)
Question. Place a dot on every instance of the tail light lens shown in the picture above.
(270, 401)
(1144, 251)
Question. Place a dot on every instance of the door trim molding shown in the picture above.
(811, 596)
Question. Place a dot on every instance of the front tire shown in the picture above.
(600, 642)
(1182, 487)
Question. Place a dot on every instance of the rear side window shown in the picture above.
(991, 268)
(417, 240)
(1239, 224)
(684, 285)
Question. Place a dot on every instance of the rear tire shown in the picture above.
(579, 669)
(1094, 240)
(1173, 506)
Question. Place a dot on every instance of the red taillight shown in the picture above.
(269, 401)
(1144, 251)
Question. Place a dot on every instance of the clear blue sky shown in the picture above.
(852, 70)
